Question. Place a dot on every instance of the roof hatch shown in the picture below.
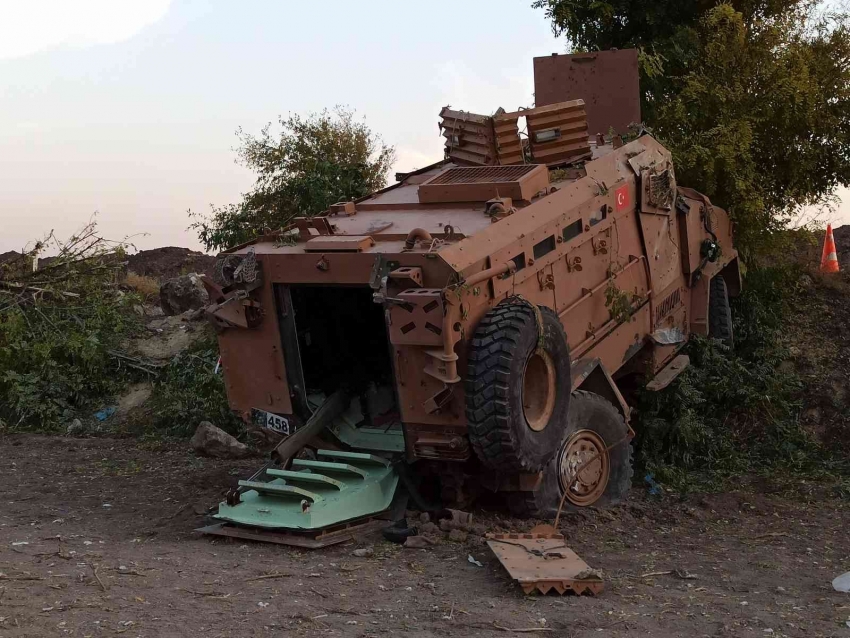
(481, 183)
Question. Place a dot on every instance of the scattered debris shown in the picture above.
(458, 536)
(363, 552)
(75, 428)
(105, 413)
(544, 563)
(95, 569)
(527, 630)
(471, 559)
(842, 583)
(589, 574)
(183, 293)
(399, 532)
(418, 542)
(212, 441)
(679, 573)
(268, 576)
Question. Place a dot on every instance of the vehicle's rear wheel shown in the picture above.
(518, 387)
(594, 425)
(720, 312)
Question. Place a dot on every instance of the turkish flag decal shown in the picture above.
(623, 199)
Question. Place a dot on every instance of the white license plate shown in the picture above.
(270, 421)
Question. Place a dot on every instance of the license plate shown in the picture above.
(270, 421)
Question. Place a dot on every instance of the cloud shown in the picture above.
(30, 26)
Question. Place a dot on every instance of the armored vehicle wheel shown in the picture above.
(518, 387)
(594, 425)
(720, 312)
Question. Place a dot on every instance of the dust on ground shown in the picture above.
(96, 540)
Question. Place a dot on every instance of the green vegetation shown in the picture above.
(63, 330)
(311, 163)
(189, 391)
(753, 99)
(733, 413)
(751, 96)
(58, 326)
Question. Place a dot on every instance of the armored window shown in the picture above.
(544, 247)
(549, 135)
(519, 260)
(598, 215)
(573, 230)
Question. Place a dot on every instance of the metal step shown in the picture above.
(332, 468)
(280, 489)
(354, 457)
(364, 485)
(306, 477)
(666, 376)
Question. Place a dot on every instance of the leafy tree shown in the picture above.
(311, 163)
(751, 96)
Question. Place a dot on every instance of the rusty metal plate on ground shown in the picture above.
(544, 563)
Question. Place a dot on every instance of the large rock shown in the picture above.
(212, 441)
(183, 293)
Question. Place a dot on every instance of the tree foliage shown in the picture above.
(309, 164)
(751, 96)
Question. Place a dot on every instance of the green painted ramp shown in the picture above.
(337, 487)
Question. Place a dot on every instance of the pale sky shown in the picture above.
(129, 107)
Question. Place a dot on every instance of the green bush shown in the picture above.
(734, 412)
(56, 335)
(189, 391)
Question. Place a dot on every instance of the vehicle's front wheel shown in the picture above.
(590, 474)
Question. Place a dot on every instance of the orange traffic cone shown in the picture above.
(829, 259)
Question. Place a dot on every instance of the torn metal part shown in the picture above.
(544, 563)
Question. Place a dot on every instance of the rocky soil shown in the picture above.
(96, 540)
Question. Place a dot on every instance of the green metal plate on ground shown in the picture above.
(359, 485)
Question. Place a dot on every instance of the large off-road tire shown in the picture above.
(720, 312)
(594, 425)
(518, 387)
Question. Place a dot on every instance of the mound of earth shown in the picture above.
(169, 262)
(9, 256)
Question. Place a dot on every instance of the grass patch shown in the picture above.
(147, 287)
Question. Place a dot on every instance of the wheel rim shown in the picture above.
(585, 488)
(538, 390)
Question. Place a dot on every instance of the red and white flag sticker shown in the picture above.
(623, 199)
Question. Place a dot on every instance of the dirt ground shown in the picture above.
(96, 540)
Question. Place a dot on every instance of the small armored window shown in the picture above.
(573, 230)
(598, 215)
(544, 247)
(549, 135)
(519, 260)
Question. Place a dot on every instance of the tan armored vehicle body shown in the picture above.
(481, 311)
